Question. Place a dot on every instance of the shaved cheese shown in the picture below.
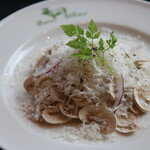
(89, 80)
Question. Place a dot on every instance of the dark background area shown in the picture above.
(8, 7)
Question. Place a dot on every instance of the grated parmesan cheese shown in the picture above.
(96, 80)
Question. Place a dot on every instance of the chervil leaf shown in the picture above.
(86, 51)
(92, 27)
(88, 34)
(96, 35)
(79, 42)
(84, 42)
(112, 41)
(108, 42)
(69, 29)
(101, 44)
(82, 56)
(80, 30)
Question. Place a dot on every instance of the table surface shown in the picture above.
(8, 7)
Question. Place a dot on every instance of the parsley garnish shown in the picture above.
(84, 42)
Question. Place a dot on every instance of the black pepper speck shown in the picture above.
(81, 80)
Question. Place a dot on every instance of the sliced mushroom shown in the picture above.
(54, 107)
(109, 100)
(54, 118)
(140, 101)
(145, 94)
(29, 84)
(48, 52)
(139, 63)
(42, 62)
(133, 109)
(69, 109)
(112, 96)
(126, 130)
(126, 122)
(99, 115)
(41, 80)
(81, 102)
(146, 97)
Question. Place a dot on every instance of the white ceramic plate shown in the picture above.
(28, 29)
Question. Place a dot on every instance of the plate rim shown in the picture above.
(6, 20)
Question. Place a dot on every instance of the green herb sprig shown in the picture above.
(84, 42)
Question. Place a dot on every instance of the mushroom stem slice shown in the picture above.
(99, 115)
(54, 118)
(126, 122)
(140, 101)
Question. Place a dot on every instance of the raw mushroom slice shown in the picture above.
(126, 122)
(126, 130)
(124, 118)
(139, 63)
(140, 101)
(54, 108)
(29, 84)
(146, 97)
(48, 52)
(81, 102)
(109, 100)
(145, 94)
(133, 109)
(112, 96)
(54, 118)
(69, 109)
(99, 115)
(41, 80)
(42, 62)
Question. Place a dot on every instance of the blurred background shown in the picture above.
(8, 7)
